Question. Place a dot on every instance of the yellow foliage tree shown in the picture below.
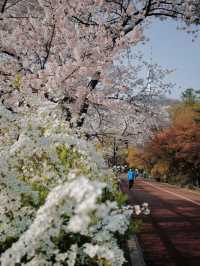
(184, 114)
(134, 158)
(160, 169)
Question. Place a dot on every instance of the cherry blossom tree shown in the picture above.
(61, 49)
(58, 60)
(128, 107)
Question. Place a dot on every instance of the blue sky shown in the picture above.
(174, 49)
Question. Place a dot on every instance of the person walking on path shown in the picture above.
(131, 177)
(136, 173)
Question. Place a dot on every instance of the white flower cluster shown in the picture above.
(53, 205)
(144, 209)
(77, 198)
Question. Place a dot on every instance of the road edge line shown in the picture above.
(173, 193)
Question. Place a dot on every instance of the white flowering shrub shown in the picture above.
(59, 202)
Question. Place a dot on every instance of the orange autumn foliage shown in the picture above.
(176, 150)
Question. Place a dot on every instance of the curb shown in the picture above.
(135, 252)
(135, 255)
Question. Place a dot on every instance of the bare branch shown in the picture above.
(125, 128)
(71, 74)
(88, 23)
(11, 54)
(48, 47)
(4, 6)
(14, 4)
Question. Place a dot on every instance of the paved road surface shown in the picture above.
(171, 234)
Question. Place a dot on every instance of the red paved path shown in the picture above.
(171, 234)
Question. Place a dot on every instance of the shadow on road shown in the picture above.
(171, 233)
